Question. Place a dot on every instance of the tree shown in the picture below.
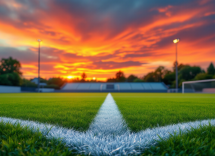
(159, 73)
(56, 82)
(83, 76)
(203, 76)
(131, 78)
(10, 79)
(27, 83)
(211, 69)
(10, 72)
(120, 76)
(43, 80)
(137, 80)
(189, 73)
(180, 66)
(169, 78)
(111, 80)
(10, 65)
(150, 77)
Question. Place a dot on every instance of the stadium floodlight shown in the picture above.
(200, 86)
(39, 40)
(176, 40)
(176, 65)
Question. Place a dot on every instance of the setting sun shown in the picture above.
(69, 77)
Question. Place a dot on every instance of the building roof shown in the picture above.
(35, 80)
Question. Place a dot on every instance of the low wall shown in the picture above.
(47, 90)
(10, 89)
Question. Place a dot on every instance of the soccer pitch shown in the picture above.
(148, 110)
(71, 110)
(96, 118)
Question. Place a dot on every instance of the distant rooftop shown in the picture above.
(35, 80)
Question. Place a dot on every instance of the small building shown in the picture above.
(35, 80)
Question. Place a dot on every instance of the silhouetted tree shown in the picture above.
(150, 77)
(111, 80)
(169, 78)
(203, 76)
(159, 73)
(27, 83)
(83, 76)
(131, 78)
(211, 69)
(189, 73)
(138, 80)
(10, 65)
(10, 79)
(10, 72)
(180, 66)
(56, 82)
(120, 76)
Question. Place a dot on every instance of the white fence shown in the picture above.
(10, 89)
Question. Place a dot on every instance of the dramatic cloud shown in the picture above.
(102, 37)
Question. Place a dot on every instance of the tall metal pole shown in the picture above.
(176, 65)
(176, 71)
(39, 66)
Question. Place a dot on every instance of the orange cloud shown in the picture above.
(102, 39)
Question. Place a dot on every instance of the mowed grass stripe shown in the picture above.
(148, 110)
(71, 110)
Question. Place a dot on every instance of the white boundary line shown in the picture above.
(125, 143)
(108, 120)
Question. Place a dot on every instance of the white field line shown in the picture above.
(106, 143)
(108, 120)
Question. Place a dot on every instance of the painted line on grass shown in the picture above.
(92, 142)
(108, 120)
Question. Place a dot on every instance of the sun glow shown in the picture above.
(69, 77)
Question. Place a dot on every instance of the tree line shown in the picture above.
(11, 75)
(161, 74)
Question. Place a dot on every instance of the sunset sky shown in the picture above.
(101, 37)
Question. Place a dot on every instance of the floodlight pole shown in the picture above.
(176, 65)
(176, 70)
(39, 66)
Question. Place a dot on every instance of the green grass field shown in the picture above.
(195, 142)
(147, 110)
(18, 140)
(76, 110)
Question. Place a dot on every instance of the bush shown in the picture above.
(203, 76)
(27, 83)
(10, 79)
(138, 80)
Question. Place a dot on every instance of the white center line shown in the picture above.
(108, 120)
